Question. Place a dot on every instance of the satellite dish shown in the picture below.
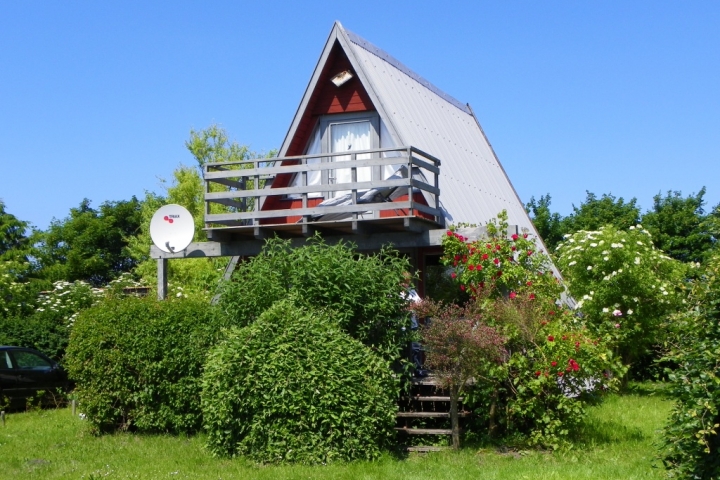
(172, 228)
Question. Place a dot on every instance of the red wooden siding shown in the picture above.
(325, 99)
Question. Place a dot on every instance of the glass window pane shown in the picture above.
(31, 361)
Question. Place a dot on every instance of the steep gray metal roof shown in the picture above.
(473, 185)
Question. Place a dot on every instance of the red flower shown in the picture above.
(489, 246)
(471, 267)
(478, 267)
(552, 312)
(577, 345)
(454, 264)
(499, 273)
(514, 236)
(553, 363)
(457, 257)
(496, 261)
(529, 284)
(513, 295)
(524, 235)
(453, 275)
(560, 374)
(530, 252)
(532, 296)
(513, 248)
(482, 285)
(497, 247)
(449, 233)
(564, 337)
(537, 374)
(484, 256)
(551, 338)
(543, 323)
(462, 287)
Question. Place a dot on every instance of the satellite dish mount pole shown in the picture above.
(162, 271)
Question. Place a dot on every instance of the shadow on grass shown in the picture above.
(648, 389)
(596, 431)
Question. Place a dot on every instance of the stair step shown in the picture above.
(428, 414)
(429, 398)
(425, 431)
(420, 449)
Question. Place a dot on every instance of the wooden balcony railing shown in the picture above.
(244, 187)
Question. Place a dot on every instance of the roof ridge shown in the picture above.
(382, 54)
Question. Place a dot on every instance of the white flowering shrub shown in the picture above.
(624, 287)
(67, 299)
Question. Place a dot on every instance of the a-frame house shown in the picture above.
(375, 154)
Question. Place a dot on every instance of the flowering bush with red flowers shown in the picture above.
(552, 363)
(500, 264)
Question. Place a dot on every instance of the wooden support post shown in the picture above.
(2, 417)
(74, 406)
(162, 268)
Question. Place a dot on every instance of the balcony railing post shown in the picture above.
(411, 210)
(303, 183)
(256, 183)
(353, 181)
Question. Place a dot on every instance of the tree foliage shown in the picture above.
(90, 244)
(595, 212)
(549, 225)
(187, 188)
(678, 226)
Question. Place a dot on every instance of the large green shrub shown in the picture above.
(692, 443)
(138, 362)
(363, 290)
(293, 387)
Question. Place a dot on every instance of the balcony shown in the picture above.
(369, 191)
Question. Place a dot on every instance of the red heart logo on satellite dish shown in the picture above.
(167, 219)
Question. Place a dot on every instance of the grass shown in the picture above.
(616, 442)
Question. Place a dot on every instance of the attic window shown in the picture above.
(342, 78)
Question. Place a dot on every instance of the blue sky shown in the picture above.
(98, 98)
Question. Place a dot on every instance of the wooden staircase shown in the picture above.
(426, 411)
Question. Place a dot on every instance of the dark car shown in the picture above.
(28, 374)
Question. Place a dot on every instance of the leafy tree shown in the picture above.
(678, 226)
(458, 343)
(90, 244)
(596, 212)
(13, 235)
(549, 225)
(210, 145)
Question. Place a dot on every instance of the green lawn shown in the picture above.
(617, 442)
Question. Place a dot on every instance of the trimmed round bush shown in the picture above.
(293, 387)
(138, 362)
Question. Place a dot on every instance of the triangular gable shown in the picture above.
(473, 184)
